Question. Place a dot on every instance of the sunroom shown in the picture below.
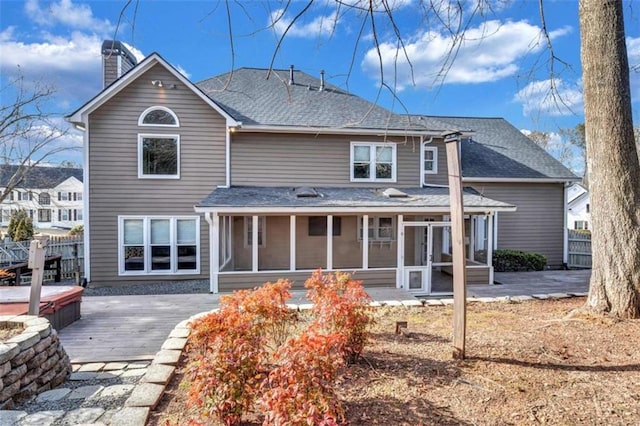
(384, 237)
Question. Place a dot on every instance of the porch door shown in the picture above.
(440, 260)
(428, 271)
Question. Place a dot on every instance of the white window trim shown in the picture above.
(141, 175)
(148, 110)
(372, 162)
(245, 234)
(376, 229)
(146, 242)
(423, 171)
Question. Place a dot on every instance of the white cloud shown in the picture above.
(65, 12)
(72, 65)
(135, 52)
(378, 5)
(485, 53)
(552, 96)
(183, 71)
(321, 26)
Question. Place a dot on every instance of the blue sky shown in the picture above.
(500, 69)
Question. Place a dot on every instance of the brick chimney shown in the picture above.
(116, 61)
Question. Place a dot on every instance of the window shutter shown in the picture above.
(59, 197)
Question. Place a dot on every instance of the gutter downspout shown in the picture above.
(565, 232)
(85, 204)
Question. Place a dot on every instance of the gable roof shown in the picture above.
(78, 116)
(40, 177)
(498, 150)
(257, 101)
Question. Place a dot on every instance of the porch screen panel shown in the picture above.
(274, 256)
(311, 251)
(347, 249)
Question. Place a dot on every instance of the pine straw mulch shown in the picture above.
(528, 363)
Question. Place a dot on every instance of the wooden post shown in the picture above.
(36, 264)
(452, 142)
(76, 264)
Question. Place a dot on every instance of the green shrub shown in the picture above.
(517, 261)
(76, 231)
(20, 225)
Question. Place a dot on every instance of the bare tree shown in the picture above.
(614, 171)
(28, 131)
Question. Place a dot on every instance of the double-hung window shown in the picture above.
(429, 161)
(373, 162)
(248, 231)
(159, 245)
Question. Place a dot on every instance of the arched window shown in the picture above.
(158, 116)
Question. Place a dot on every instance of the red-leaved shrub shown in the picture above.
(231, 349)
(342, 307)
(300, 390)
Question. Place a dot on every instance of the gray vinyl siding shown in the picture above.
(318, 160)
(537, 225)
(236, 281)
(114, 186)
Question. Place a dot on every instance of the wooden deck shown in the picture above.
(128, 328)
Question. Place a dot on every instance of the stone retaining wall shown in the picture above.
(32, 362)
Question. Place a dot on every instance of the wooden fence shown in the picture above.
(71, 249)
(579, 249)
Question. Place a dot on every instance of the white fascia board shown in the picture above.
(344, 210)
(518, 180)
(79, 116)
(332, 130)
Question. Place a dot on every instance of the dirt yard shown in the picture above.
(527, 364)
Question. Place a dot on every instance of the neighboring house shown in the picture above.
(241, 179)
(52, 196)
(578, 207)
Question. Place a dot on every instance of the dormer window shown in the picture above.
(158, 116)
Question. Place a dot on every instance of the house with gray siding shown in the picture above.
(255, 175)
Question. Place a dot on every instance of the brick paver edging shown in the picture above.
(148, 392)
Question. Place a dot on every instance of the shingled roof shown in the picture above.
(498, 150)
(40, 177)
(252, 98)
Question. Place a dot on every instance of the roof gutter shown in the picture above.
(247, 128)
(519, 180)
(351, 210)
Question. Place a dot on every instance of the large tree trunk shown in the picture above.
(614, 171)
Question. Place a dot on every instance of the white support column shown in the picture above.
(214, 250)
(495, 228)
(329, 242)
(565, 232)
(292, 243)
(490, 247)
(400, 258)
(254, 244)
(365, 241)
